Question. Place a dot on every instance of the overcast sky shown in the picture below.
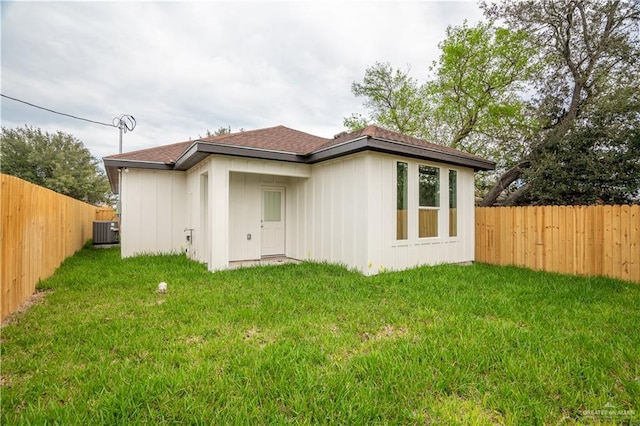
(182, 68)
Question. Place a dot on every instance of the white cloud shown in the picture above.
(183, 68)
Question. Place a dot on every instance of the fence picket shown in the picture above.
(624, 242)
(634, 243)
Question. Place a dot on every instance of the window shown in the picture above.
(453, 203)
(271, 206)
(402, 171)
(429, 201)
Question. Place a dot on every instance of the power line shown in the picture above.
(60, 113)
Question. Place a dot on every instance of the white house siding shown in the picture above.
(296, 214)
(244, 216)
(387, 253)
(341, 211)
(153, 211)
(198, 216)
(332, 212)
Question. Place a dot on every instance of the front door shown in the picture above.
(272, 221)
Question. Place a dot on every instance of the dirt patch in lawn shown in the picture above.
(36, 298)
(367, 341)
(387, 332)
(259, 338)
(4, 381)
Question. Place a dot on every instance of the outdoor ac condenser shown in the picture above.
(105, 232)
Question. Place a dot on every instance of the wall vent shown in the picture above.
(105, 232)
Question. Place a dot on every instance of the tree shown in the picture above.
(517, 94)
(473, 98)
(598, 161)
(469, 104)
(221, 131)
(394, 100)
(587, 51)
(56, 161)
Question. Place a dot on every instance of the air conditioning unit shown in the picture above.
(105, 232)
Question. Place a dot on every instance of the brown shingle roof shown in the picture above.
(285, 144)
(279, 138)
(160, 154)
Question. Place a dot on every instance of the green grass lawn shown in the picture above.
(316, 343)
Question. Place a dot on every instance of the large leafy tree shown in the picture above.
(469, 104)
(597, 161)
(518, 94)
(473, 97)
(588, 52)
(57, 161)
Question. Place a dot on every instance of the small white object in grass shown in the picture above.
(162, 287)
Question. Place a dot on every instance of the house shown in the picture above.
(372, 200)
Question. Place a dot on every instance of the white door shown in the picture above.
(272, 221)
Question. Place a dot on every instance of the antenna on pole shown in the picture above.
(126, 123)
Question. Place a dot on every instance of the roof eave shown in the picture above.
(368, 143)
(113, 165)
(200, 150)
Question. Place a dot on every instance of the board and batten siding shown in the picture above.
(330, 209)
(153, 211)
(244, 216)
(198, 218)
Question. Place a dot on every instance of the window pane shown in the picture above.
(427, 223)
(401, 201)
(272, 203)
(453, 203)
(429, 186)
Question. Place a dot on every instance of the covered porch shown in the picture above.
(249, 211)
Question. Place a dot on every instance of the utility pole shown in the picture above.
(125, 123)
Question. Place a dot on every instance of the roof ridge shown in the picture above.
(239, 132)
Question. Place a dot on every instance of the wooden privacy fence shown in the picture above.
(40, 228)
(106, 213)
(584, 240)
